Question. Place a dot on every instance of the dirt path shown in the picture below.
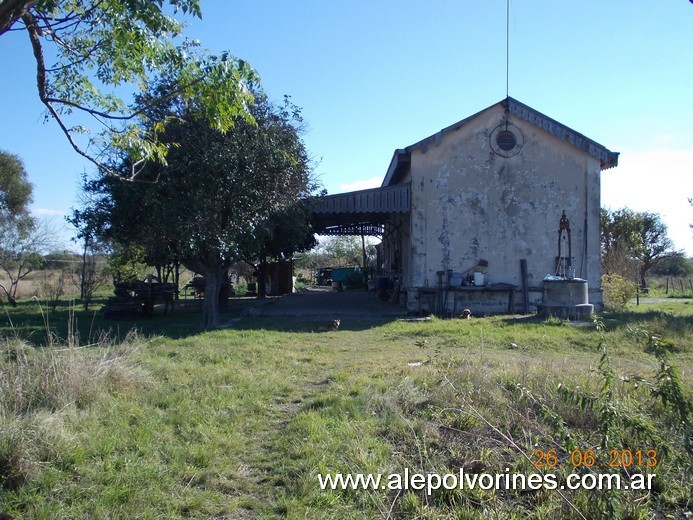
(324, 302)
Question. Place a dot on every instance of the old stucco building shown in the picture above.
(484, 195)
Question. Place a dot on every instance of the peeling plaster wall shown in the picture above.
(469, 203)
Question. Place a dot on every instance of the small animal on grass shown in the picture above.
(466, 314)
(326, 327)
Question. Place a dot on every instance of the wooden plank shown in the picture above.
(525, 288)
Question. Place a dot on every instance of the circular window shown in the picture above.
(506, 140)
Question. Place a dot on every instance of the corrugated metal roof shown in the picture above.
(359, 212)
(390, 199)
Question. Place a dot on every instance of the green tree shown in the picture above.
(21, 240)
(15, 189)
(284, 233)
(658, 245)
(344, 251)
(674, 265)
(132, 240)
(215, 196)
(635, 237)
(102, 46)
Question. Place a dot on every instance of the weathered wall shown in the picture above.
(469, 203)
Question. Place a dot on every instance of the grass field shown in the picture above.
(172, 422)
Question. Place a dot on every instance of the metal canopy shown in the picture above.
(363, 212)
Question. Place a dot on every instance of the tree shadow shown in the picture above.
(658, 320)
(35, 322)
(305, 324)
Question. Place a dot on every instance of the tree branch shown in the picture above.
(41, 83)
(11, 11)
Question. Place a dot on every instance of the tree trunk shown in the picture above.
(224, 292)
(643, 281)
(210, 312)
(84, 268)
(262, 279)
(9, 297)
(176, 279)
(365, 259)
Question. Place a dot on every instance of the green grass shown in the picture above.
(238, 423)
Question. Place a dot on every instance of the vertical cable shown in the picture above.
(507, 48)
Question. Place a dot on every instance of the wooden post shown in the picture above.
(525, 289)
(365, 258)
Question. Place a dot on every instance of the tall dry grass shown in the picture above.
(41, 387)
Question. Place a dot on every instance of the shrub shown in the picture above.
(618, 291)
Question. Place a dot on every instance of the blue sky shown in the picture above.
(373, 76)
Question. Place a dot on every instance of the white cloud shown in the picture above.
(659, 181)
(373, 182)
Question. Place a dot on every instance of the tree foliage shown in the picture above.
(674, 265)
(22, 240)
(284, 233)
(217, 199)
(339, 251)
(638, 238)
(15, 189)
(87, 52)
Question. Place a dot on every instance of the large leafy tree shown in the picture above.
(638, 238)
(217, 194)
(88, 52)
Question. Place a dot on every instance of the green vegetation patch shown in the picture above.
(244, 422)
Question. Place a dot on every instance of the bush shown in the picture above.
(618, 291)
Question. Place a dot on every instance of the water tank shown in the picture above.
(565, 299)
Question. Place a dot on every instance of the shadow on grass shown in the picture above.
(535, 319)
(662, 320)
(310, 323)
(38, 324)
